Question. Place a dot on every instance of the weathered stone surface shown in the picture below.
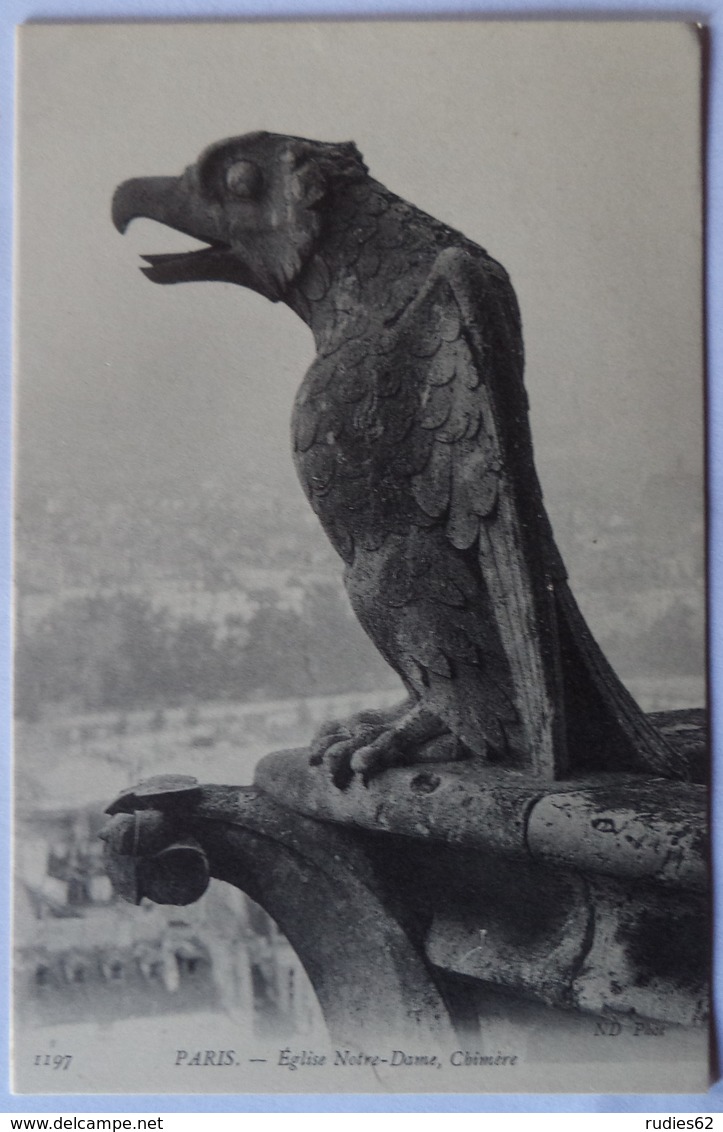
(167, 792)
(390, 909)
(589, 897)
(648, 954)
(179, 874)
(533, 944)
(686, 731)
(623, 825)
(461, 804)
(138, 834)
(643, 831)
(147, 853)
(593, 944)
(356, 937)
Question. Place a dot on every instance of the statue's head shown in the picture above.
(256, 201)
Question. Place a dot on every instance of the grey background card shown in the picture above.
(165, 554)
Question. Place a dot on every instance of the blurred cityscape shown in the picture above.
(192, 633)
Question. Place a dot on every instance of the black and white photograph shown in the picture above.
(360, 733)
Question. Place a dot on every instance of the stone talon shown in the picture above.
(348, 735)
(384, 752)
(370, 742)
(322, 743)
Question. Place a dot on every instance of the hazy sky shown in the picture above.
(570, 151)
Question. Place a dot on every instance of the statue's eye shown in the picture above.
(243, 179)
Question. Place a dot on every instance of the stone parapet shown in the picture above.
(409, 898)
(622, 825)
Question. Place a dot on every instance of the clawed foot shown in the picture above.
(372, 741)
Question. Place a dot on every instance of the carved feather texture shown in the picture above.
(398, 443)
(412, 443)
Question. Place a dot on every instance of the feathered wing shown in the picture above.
(480, 483)
(464, 332)
(414, 448)
(400, 448)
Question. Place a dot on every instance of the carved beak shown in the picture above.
(175, 202)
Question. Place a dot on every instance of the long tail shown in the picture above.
(606, 729)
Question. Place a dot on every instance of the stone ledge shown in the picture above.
(584, 897)
(621, 825)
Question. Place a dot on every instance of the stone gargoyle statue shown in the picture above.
(412, 443)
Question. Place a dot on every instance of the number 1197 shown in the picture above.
(53, 1060)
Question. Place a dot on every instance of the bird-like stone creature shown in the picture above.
(412, 443)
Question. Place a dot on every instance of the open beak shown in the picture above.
(171, 201)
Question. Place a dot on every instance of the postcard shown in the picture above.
(360, 735)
